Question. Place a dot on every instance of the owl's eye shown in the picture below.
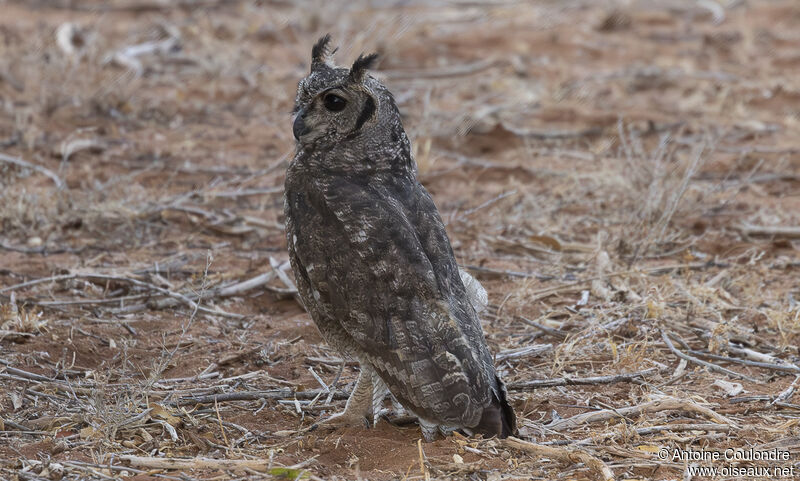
(333, 102)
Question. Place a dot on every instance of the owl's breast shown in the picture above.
(308, 236)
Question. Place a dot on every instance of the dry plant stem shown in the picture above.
(566, 455)
(103, 277)
(166, 359)
(545, 329)
(27, 165)
(574, 285)
(787, 393)
(565, 381)
(665, 404)
(747, 362)
(683, 427)
(707, 427)
(194, 463)
(256, 395)
(709, 365)
(228, 291)
(769, 230)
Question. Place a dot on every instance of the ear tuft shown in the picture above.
(321, 53)
(359, 69)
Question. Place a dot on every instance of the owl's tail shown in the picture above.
(498, 418)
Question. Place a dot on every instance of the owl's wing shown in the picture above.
(378, 264)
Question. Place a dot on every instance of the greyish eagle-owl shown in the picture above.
(373, 263)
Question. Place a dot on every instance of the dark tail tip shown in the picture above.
(498, 418)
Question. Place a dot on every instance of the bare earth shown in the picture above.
(622, 177)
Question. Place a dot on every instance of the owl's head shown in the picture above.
(336, 105)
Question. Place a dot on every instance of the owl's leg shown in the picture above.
(379, 392)
(429, 430)
(359, 407)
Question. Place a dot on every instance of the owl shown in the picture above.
(373, 264)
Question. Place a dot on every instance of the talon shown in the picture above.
(343, 420)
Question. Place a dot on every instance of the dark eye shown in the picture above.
(333, 102)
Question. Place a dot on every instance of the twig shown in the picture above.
(545, 329)
(256, 395)
(575, 285)
(27, 165)
(243, 286)
(194, 463)
(245, 192)
(332, 361)
(555, 134)
(29, 375)
(771, 230)
(747, 362)
(103, 277)
(585, 381)
(787, 393)
(524, 351)
(700, 362)
(683, 427)
(567, 455)
(664, 404)
(708, 427)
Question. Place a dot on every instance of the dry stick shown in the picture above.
(29, 375)
(129, 280)
(555, 134)
(683, 427)
(664, 404)
(244, 286)
(332, 387)
(542, 293)
(6, 333)
(787, 393)
(79, 302)
(700, 362)
(708, 427)
(565, 381)
(568, 455)
(770, 230)
(194, 463)
(246, 192)
(422, 467)
(547, 330)
(256, 395)
(521, 352)
(747, 362)
(332, 361)
(219, 292)
(27, 165)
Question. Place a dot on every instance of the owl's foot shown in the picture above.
(430, 431)
(364, 404)
(344, 419)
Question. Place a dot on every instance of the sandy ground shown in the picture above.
(623, 178)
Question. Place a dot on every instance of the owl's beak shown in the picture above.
(299, 128)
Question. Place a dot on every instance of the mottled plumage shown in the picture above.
(373, 263)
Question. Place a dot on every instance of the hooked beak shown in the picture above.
(299, 128)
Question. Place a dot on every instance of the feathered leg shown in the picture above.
(361, 403)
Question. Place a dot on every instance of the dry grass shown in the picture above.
(622, 177)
